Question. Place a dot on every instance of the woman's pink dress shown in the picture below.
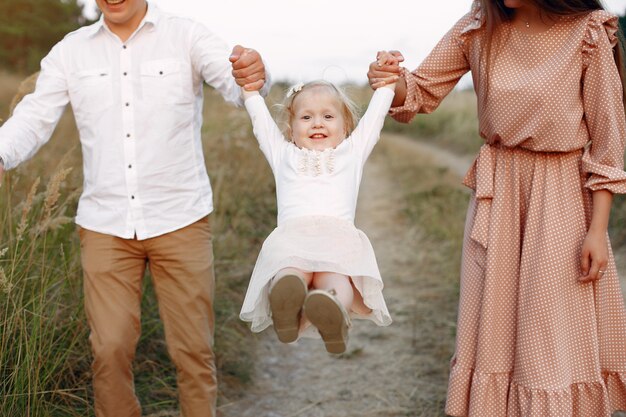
(531, 339)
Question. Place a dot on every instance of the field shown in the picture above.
(44, 355)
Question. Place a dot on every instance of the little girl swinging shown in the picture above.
(316, 267)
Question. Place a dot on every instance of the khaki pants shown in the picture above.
(181, 265)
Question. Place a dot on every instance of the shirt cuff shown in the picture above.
(410, 108)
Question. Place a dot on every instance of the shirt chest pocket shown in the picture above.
(91, 90)
(162, 81)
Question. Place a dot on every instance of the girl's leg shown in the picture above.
(350, 297)
(327, 308)
(338, 282)
(306, 276)
(358, 306)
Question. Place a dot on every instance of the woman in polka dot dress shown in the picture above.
(542, 324)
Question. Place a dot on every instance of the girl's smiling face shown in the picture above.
(317, 121)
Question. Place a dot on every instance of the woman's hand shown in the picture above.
(595, 256)
(595, 252)
(385, 70)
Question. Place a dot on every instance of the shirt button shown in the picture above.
(132, 197)
(127, 104)
(130, 166)
(124, 46)
(128, 135)
(125, 73)
(160, 72)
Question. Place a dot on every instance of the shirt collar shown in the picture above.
(152, 17)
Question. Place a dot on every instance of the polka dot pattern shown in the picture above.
(531, 340)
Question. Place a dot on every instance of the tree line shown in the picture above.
(30, 28)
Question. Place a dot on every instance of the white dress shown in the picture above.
(316, 194)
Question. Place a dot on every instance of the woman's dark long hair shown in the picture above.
(495, 13)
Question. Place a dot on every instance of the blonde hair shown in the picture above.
(347, 106)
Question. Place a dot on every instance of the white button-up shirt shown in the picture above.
(138, 108)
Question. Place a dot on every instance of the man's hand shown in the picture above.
(248, 68)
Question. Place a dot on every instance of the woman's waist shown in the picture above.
(528, 147)
(498, 159)
(542, 136)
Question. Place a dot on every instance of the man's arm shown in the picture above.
(35, 117)
(210, 57)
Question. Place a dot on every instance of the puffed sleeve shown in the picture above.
(437, 75)
(603, 159)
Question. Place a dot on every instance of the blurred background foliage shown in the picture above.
(29, 29)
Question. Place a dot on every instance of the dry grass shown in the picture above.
(44, 356)
(454, 125)
(9, 85)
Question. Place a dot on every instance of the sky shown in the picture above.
(329, 39)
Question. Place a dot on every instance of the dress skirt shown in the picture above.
(532, 341)
(315, 244)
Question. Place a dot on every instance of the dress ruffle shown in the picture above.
(412, 102)
(616, 386)
(503, 396)
(316, 243)
(600, 23)
(475, 21)
(604, 169)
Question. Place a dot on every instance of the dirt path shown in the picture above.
(386, 370)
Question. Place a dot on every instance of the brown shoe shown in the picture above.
(286, 298)
(331, 319)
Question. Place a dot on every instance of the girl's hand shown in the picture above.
(385, 70)
(595, 256)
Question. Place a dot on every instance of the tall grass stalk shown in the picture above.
(39, 333)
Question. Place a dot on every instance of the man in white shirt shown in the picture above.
(134, 80)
